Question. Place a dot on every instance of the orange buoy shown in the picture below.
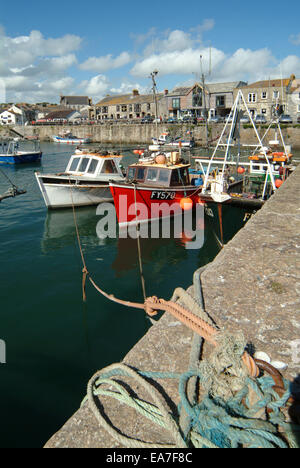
(160, 159)
(240, 170)
(278, 183)
(136, 151)
(186, 203)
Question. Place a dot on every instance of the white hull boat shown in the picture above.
(165, 140)
(85, 181)
(69, 139)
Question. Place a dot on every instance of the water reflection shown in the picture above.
(59, 228)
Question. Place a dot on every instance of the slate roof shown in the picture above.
(119, 99)
(270, 83)
(224, 87)
(62, 114)
(76, 100)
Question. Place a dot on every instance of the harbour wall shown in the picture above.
(124, 133)
(253, 286)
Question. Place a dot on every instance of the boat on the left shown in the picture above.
(12, 152)
(85, 180)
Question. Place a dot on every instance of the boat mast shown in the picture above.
(154, 90)
(204, 100)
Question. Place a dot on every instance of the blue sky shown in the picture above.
(96, 48)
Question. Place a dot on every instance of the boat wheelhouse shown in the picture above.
(153, 190)
(13, 152)
(84, 182)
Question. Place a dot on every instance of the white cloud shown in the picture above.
(22, 51)
(105, 63)
(245, 64)
(33, 67)
(95, 87)
(127, 87)
(183, 62)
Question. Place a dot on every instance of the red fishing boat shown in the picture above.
(154, 189)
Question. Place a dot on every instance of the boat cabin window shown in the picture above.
(179, 177)
(74, 164)
(131, 173)
(93, 166)
(83, 165)
(152, 175)
(164, 176)
(109, 167)
(140, 173)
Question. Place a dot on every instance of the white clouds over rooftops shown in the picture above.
(35, 68)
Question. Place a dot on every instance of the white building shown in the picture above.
(10, 117)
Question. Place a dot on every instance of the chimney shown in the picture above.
(135, 92)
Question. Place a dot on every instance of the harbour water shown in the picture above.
(54, 341)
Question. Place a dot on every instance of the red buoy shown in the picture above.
(186, 204)
(240, 170)
(278, 183)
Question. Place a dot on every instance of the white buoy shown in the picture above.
(279, 365)
(262, 356)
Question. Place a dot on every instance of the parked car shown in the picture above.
(187, 118)
(245, 119)
(285, 118)
(216, 119)
(260, 118)
(147, 119)
(172, 120)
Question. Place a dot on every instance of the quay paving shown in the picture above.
(253, 285)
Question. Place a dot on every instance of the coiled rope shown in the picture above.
(215, 423)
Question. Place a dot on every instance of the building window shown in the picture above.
(124, 108)
(176, 103)
(118, 109)
(197, 97)
(104, 110)
(264, 95)
(298, 108)
(130, 107)
(148, 106)
(220, 101)
(275, 94)
(251, 97)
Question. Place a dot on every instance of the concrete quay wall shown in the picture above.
(253, 285)
(122, 133)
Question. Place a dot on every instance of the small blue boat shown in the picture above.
(10, 153)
